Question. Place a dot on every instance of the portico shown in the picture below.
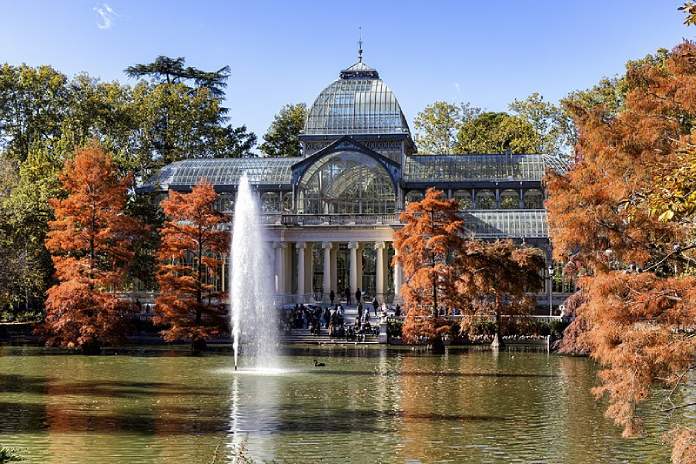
(307, 270)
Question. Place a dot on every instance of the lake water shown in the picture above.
(367, 405)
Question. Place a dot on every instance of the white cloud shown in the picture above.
(106, 15)
(457, 87)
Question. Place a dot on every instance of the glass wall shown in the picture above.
(463, 198)
(509, 199)
(533, 199)
(485, 199)
(414, 195)
(346, 183)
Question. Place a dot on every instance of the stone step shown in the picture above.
(371, 340)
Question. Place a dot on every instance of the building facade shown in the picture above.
(331, 214)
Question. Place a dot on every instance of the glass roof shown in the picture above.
(506, 224)
(357, 103)
(457, 168)
(265, 171)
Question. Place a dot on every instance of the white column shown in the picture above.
(334, 269)
(279, 267)
(309, 271)
(326, 285)
(353, 247)
(359, 268)
(301, 247)
(397, 277)
(379, 284)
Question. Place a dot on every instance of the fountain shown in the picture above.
(253, 318)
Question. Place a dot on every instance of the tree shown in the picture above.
(427, 246)
(283, 137)
(498, 133)
(177, 123)
(8, 255)
(182, 112)
(89, 241)
(437, 125)
(551, 122)
(172, 71)
(32, 106)
(193, 245)
(617, 219)
(494, 278)
(28, 212)
(690, 9)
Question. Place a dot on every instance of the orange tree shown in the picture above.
(613, 218)
(427, 246)
(90, 245)
(495, 278)
(193, 244)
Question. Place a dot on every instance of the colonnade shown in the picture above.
(294, 271)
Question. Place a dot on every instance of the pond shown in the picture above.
(369, 405)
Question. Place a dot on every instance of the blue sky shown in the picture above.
(486, 52)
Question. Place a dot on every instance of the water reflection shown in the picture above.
(381, 407)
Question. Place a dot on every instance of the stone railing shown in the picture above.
(339, 219)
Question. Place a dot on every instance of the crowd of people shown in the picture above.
(332, 317)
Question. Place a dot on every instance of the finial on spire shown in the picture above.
(360, 42)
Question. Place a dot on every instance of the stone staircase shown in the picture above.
(303, 336)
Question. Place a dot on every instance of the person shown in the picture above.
(358, 296)
(332, 297)
(347, 295)
(360, 310)
(327, 316)
(375, 304)
(397, 311)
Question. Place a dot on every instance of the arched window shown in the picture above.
(485, 199)
(463, 198)
(533, 199)
(225, 203)
(346, 182)
(413, 195)
(509, 199)
(269, 202)
(287, 202)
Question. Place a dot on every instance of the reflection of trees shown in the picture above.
(420, 434)
(71, 413)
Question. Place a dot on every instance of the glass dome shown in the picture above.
(359, 102)
(346, 182)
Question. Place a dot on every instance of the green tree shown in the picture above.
(33, 102)
(437, 126)
(497, 133)
(178, 123)
(283, 137)
(182, 113)
(551, 122)
(27, 215)
(172, 71)
(103, 111)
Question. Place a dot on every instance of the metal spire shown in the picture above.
(360, 42)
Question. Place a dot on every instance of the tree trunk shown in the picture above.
(198, 345)
(497, 338)
(91, 348)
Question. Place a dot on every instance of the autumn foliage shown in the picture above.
(427, 245)
(496, 278)
(90, 244)
(613, 219)
(193, 245)
(444, 268)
